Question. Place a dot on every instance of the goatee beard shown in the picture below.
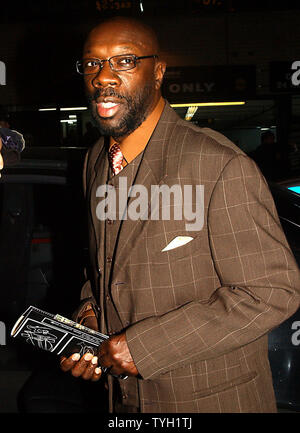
(135, 115)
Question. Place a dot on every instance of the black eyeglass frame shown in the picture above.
(101, 63)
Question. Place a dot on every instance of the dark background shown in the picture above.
(246, 47)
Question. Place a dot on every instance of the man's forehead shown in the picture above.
(123, 34)
(117, 41)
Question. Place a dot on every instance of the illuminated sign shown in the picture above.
(196, 83)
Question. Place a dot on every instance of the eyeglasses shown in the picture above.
(123, 62)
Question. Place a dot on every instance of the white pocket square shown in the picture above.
(178, 242)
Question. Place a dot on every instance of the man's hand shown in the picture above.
(91, 322)
(85, 367)
(114, 354)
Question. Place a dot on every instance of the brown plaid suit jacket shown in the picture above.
(197, 316)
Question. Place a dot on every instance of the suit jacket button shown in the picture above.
(108, 259)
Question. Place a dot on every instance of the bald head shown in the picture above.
(132, 29)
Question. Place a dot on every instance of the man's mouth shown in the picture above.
(107, 108)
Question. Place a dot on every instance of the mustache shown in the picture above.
(103, 93)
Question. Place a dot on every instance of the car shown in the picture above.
(284, 341)
(42, 230)
(286, 195)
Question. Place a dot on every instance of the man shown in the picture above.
(267, 157)
(187, 307)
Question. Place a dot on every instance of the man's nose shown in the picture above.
(105, 77)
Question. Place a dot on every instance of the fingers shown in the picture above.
(85, 367)
(89, 372)
(67, 364)
(96, 375)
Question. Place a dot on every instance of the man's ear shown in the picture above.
(160, 68)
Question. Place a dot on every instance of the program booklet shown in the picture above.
(56, 333)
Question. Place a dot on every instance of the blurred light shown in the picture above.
(63, 109)
(47, 109)
(141, 6)
(72, 116)
(190, 113)
(72, 108)
(207, 104)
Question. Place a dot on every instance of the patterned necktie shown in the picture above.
(115, 158)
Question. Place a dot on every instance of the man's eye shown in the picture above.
(90, 64)
(125, 61)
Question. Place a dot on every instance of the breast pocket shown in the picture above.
(159, 252)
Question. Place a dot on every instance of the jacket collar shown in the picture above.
(152, 171)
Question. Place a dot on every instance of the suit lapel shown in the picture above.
(151, 171)
(98, 177)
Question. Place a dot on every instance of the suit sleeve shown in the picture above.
(259, 280)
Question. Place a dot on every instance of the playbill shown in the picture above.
(55, 333)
